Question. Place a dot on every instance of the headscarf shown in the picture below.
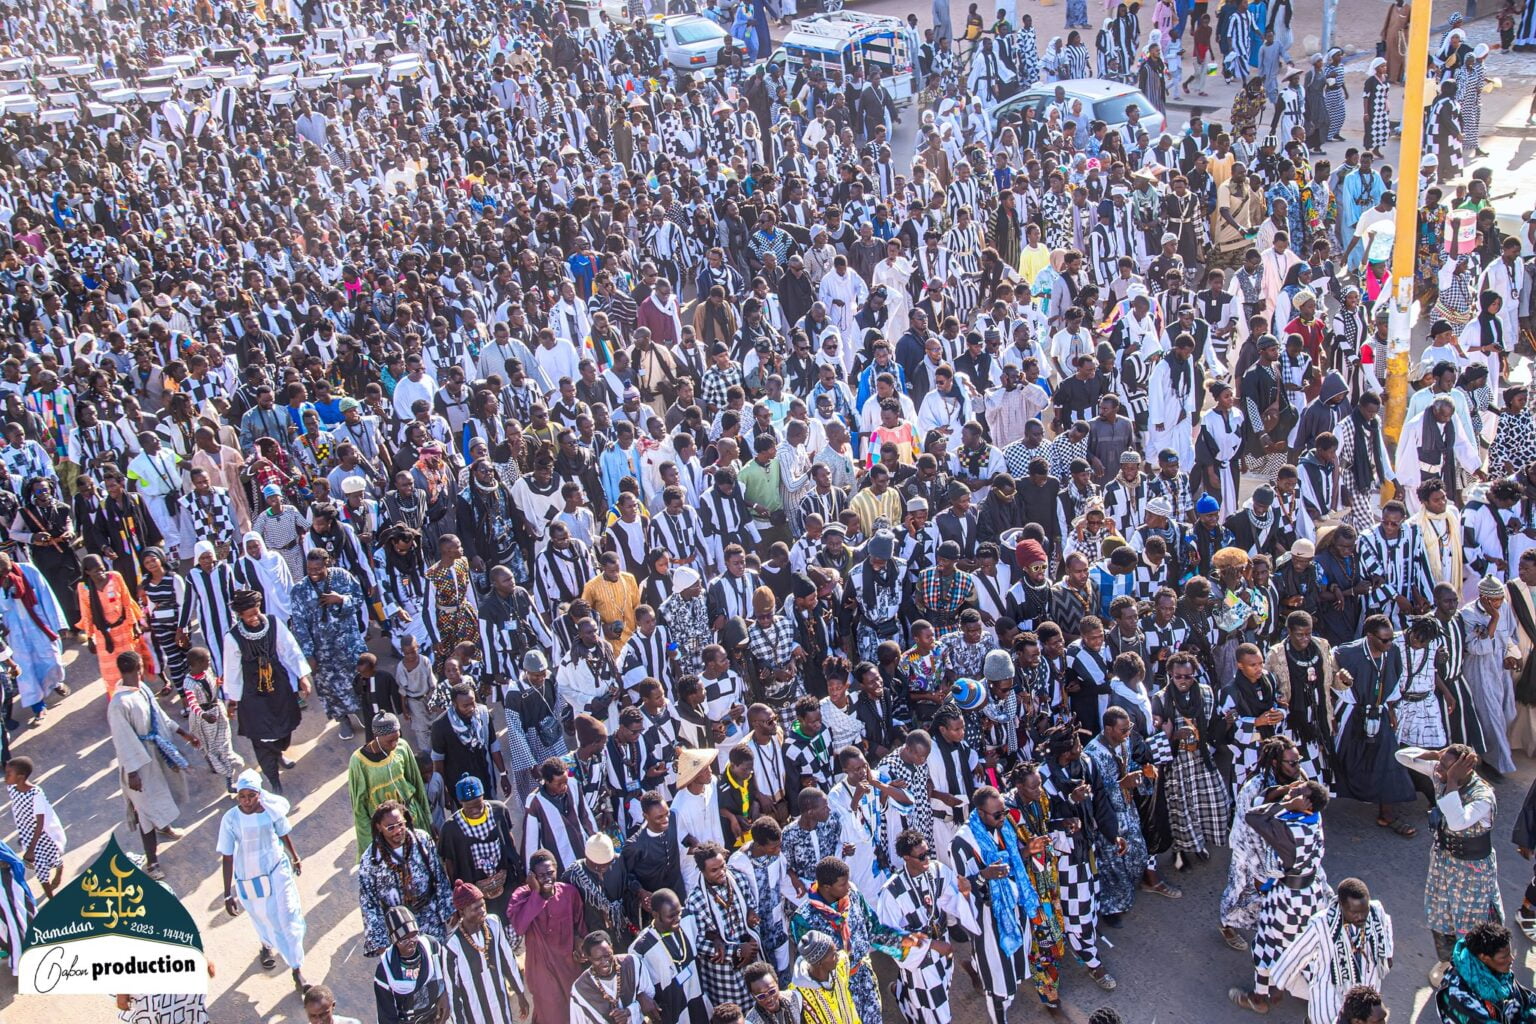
(251, 779)
(267, 572)
(434, 472)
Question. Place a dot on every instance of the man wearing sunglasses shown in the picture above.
(924, 899)
(990, 861)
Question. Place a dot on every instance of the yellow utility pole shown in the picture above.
(1405, 243)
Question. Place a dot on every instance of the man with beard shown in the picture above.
(1278, 766)
(1185, 711)
(1029, 600)
(479, 962)
(1303, 667)
(989, 863)
(265, 676)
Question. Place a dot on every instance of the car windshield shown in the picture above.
(1112, 110)
(696, 32)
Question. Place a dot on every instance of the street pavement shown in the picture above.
(1171, 964)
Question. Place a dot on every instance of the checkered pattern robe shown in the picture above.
(213, 517)
(927, 904)
(1001, 974)
(721, 914)
(1198, 801)
(1295, 888)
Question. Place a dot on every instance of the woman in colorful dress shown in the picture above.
(1029, 808)
(110, 618)
(450, 615)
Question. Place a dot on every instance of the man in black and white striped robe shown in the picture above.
(678, 530)
(480, 965)
(1002, 973)
(923, 898)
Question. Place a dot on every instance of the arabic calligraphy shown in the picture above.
(115, 901)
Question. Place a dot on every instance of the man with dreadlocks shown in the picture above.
(925, 898)
(1084, 819)
(1279, 764)
(1029, 809)
(487, 518)
(265, 674)
(400, 568)
(1294, 888)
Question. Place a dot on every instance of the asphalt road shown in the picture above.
(1171, 964)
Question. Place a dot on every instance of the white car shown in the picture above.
(691, 42)
(1103, 100)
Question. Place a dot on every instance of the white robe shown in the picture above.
(852, 290)
(561, 316)
(894, 279)
(697, 815)
(1509, 283)
(1171, 414)
(1410, 472)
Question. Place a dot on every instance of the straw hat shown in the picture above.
(691, 762)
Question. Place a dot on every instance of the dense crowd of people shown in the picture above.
(742, 562)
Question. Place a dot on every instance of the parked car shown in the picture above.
(1103, 100)
(690, 42)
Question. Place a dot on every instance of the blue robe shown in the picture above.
(331, 637)
(40, 657)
